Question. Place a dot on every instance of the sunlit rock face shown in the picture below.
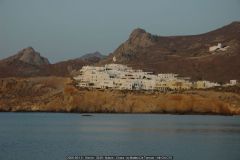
(30, 56)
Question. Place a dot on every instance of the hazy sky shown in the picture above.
(64, 29)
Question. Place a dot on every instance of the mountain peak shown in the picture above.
(92, 55)
(29, 49)
(97, 54)
(29, 56)
(140, 38)
(137, 32)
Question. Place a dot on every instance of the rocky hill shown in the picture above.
(25, 63)
(94, 55)
(185, 55)
(29, 63)
(29, 56)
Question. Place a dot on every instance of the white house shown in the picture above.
(218, 47)
(233, 82)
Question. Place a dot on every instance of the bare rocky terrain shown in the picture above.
(56, 94)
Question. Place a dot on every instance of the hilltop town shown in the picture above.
(121, 77)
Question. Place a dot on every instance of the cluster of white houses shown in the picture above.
(121, 77)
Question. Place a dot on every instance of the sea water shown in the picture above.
(55, 136)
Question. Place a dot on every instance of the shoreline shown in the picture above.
(121, 113)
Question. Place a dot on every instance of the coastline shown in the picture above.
(59, 94)
(121, 113)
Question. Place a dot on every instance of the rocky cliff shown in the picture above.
(55, 94)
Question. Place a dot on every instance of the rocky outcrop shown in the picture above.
(30, 56)
(139, 38)
(56, 94)
(25, 63)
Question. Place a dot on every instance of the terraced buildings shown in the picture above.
(122, 77)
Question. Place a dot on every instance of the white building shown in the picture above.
(121, 77)
(218, 47)
(205, 84)
(232, 82)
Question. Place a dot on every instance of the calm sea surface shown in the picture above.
(53, 136)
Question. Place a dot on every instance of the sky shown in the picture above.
(65, 29)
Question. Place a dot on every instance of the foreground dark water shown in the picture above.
(53, 136)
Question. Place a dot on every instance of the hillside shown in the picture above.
(30, 63)
(185, 55)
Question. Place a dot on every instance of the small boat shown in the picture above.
(87, 115)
